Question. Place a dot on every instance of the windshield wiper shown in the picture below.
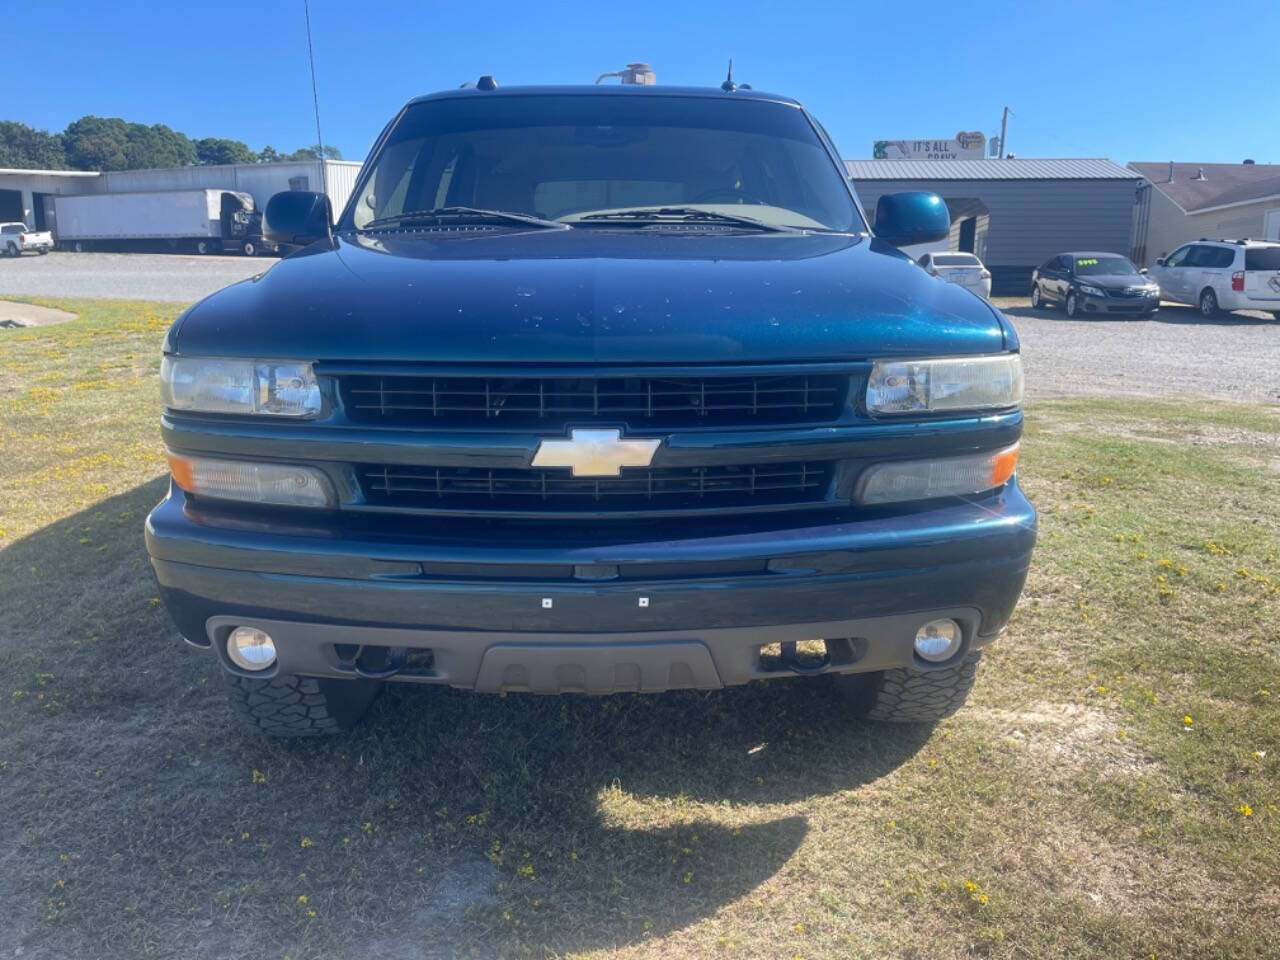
(686, 214)
(475, 214)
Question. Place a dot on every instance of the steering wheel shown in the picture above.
(721, 193)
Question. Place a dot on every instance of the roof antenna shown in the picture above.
(315, 102)
(729, 86)
(315, 99)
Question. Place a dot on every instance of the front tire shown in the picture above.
(1208, 303)
(1073, 305)
(1037, 300)
(202, 247)
(904, 695)
(291, 706)
(249, 248)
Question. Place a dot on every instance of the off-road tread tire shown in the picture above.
(904, 695)
(292, 706)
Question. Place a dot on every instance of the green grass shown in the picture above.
(1069, 811)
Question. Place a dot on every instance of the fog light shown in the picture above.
(938, 640)
(251, 649)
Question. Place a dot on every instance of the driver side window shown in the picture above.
(1178, 257)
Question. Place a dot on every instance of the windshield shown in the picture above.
(567, 157)
(1101, 266)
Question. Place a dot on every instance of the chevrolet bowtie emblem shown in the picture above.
(595, 453)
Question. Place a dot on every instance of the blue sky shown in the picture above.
(1181, 79)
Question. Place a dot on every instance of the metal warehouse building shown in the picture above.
(28, 194)
(1015, 214)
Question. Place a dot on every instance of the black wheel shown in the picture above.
(11, 250)
(1208, 302)
(301, 706)
(249, 248)
(904, 695)
(1073, 305)
(202, 247)
(43, 250)
(1036, 300)
(78, 246)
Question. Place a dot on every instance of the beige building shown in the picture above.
(1179, 202)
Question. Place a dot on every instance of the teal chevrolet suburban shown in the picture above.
(593, 390)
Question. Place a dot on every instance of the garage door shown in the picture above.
(10, 205)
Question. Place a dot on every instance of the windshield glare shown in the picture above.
(1102, 266)
(566, 157)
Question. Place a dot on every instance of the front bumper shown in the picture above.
(636, 614)
(1128, 306)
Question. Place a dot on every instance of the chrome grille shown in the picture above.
(553, 402)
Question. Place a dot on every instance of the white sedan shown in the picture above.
(962, 268)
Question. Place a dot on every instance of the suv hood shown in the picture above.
(592, 296)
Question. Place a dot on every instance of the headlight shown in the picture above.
(1091, 290)
(927, 479)
(279, 484)
(273, 388)
(926, 386)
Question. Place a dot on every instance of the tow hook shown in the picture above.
(791, 660)
(377, 662)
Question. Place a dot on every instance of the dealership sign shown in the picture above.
(965, 146)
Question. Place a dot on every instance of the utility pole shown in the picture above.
(1004, 124)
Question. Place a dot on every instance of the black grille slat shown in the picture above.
(546, 402)
(475, 489)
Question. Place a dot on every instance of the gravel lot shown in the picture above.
(125, 276)
(1233, 357)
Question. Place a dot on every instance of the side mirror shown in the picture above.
(298, 218)
(1143, 271)
(903, 219)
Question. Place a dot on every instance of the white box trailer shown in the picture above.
(202, 221)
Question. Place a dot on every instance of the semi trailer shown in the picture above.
(196, 221)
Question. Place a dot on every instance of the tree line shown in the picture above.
(109, 143)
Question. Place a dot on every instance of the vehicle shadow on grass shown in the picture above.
(447, 824)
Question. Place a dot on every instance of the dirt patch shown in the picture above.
(1066, 735)
(14, 315)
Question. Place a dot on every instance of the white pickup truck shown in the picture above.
(16, 239)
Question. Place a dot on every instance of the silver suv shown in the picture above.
(1217, 275)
